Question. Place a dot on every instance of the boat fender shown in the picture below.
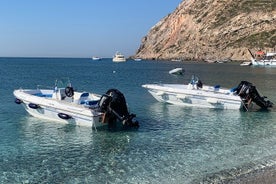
(69, 91)
(33, 106)
(18, 101)
(64, 116)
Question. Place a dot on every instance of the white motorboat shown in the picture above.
(177, 71)
(198, 95)
(119, 57)
(63, 104)
(260, 58)
(96, 58)
(246, 63)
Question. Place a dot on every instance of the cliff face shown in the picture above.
(212, 29)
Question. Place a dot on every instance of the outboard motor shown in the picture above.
(249, 93)
(113, 104)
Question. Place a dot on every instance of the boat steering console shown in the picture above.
(69, 91)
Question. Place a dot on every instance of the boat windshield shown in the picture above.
(63, 83)
(194, 79)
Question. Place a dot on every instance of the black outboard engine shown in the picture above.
(249, 93)
(113, 104)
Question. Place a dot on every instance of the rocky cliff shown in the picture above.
(212, 29)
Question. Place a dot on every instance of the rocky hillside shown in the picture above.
(212, 29)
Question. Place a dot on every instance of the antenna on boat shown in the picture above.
(56, 88)
(69, 83)
(251, 54)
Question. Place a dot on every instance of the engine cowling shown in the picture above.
(248, 92)
(113, 104)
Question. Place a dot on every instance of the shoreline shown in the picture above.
(264, 176)
(260, 172)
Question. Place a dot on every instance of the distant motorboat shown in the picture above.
(246, 63)
(96, 58)
(210, 61)
(177, 71)
(176, 60)
(119, 57)
(223, 61)
(137, 59)
(263, 59)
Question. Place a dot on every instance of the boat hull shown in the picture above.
(118, 60)
(263, 63)
(183, 95)
(55, 110)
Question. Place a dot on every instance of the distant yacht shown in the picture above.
(118, 57)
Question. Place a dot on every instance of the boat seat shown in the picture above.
(216, 87)
(90, 103)
(86, 101)
(83, 98)
(234, 89)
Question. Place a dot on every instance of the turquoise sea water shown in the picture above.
(173, 144)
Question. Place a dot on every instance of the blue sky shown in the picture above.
(77, 28)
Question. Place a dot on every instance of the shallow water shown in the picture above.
(173, 144)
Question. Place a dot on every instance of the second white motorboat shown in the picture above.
(65, 105)
(195, 94)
